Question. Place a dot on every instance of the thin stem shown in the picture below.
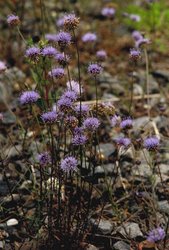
(21, 35)
(147, 81)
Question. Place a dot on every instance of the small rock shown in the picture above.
(130, 229)
(12, 222)
(138, 90)
(121, 245)
(13, 151)
(106, 149)
(161, 74)
(91, 247)
(163, 207)
(105, 226)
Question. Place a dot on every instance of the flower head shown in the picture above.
(49, 51)
(62, 59)
(136, 35)
(64, 104)
(89, 37)
(2, 67)
(70, 94)
(73, 85)
(94, 69)
(101, 55)
(13, 20)
(142, 41)
(68, 164)
(79, 139)
(51, 37)
(33, 53)
(135, 18)
(135, 54)
(29, 97)
(44, 158)
(60, 22)
(108, 12)
(115, 120)
(71, 21)
(151, 143)
(156, 234)
(63, 39)
(71, 121)
(126, 123)
(123, 141)
(57, 73)
(49, 117)
(91, 124)
(84, 109)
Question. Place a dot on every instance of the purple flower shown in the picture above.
(126, 123)
(156, 234)
(71, 21)
(33, 53)
(73, 85)
(79, 139)
(49, 51)
(60, 22)
(101, 54)
(108, 12)
(89, 37)
(2, 67)
(115, 120)
(13, 20)
(63, 39)
(84, 109)
(51, 37)
(94, 69)
(136, 35)
(28, 97)
(62, 59)
(91, 124)
(141, 42)
(64, 104)
(135, 54)
(68, 163)
(57, 73)
(135, 18)
(71, 121)
(151, 143)
(123, 141)
(44, 159)
(70, 94)
(49, 117)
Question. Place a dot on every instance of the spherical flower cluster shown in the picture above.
(51, 37)
(142, 41)
(33, 53)
(115, 120)
(70, 94)
(64, 104)
(151, 143)
(135, 54)
(136, 35)
(89, 37)
(62, 59)
(13, 20)
(71, 21)
(63, 39)
(126, 123)
(44, 159)
(79, 139)
(57, 73)
(60, 22)
(73, 85)
(94, 69)
(71, 121)
(135, 18)
(156, 234)
(68, 164)
(49, 51)
(83, 108)
(123, 141)
(101, 55)
(2, 67)
(49, 117)
(108, 12)
(29, 97)
(91, 124)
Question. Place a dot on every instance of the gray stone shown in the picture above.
(138, 90)
(130, 229)
(161, 73)
(105, 226)
(106, 149)
(14, 151)
(91, 247)
(9, 118)
(107, 169)
(163, 207)
(121, 245)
